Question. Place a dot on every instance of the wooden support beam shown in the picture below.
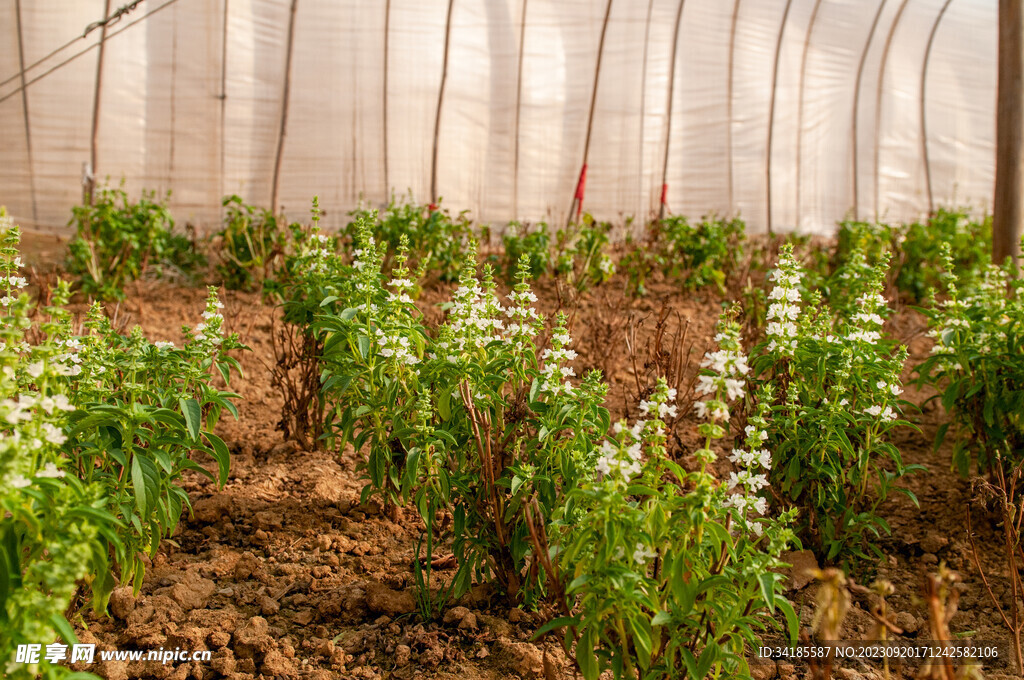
(1008, 209)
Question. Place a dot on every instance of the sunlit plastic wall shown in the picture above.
(791, 113)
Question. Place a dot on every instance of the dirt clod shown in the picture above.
(193, 591)
(275, 664)
(906, 622)
(519, 657)
(252, 638)
(762, 669)
(455, 615)
(383, 600)
(122, 602)
(218, 639)
(798, 574)
(212, 509)
(269, 606)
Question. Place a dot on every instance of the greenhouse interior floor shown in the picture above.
(283, 573)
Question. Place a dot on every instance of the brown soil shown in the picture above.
(283, 574)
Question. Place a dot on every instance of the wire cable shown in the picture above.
(83, 51)
(113, 18)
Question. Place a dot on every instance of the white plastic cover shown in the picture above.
(870, 108)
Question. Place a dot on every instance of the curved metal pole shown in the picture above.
(668, 116)
(856, 107)
(284, 107)
(924, 121)
(24, 111)
(519, 105)
(590, 117)
(223, 96)
(440, 102)
(173, 98)
(384, 98)
(771, 115)
(800, 109)
(643, 94)
(728, 95)
(880, 93)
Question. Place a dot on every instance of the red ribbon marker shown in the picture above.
(581, 187)
(664, 194)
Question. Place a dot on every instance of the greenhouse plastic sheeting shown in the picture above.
(790, 113)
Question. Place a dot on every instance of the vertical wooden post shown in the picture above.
(223, 96)
(577, 198)
(519, 110)
(771, 116)
(668, 110)
(440, 103)
(285, 95)
(24, 111)
(643, 104)
(90, 179)
(728, 102)
(855, 118)
(1008, 209)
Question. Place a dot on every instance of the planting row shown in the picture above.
(119, 240)
(96, 430)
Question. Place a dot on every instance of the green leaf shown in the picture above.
(586, 659)
(707, 658)
(64, 629)
(139, 486)
(193, 415)
(222, 455)
(444, 403)
(792, 621)
(691, 664)
(642, 641)
(560, 622)
(767, 582)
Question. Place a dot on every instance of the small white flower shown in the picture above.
(54, 435)
(50, 471)
(642, 554)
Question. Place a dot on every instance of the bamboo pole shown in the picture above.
(519, 105)
(285, 96)
(90, 179)
(440, 103)
(771, 115)
(668, 110)
(24, 111)
(856, 108)
(578, 195)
